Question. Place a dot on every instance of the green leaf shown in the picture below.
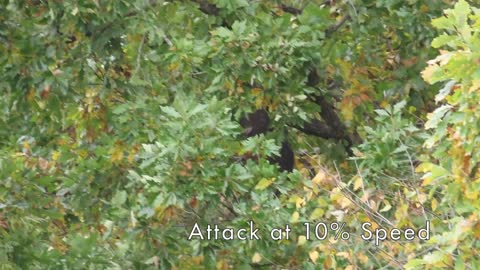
(120, 108)
(314, 15)
(119, 198)
(381, 112)
(239, 27)
(461, 12)
(223, 32)
(397, 108)
(445, 91)
(414, 264)
(170, 111)
(442, 40)
(263, 184)
(436, 117)
(231, 5)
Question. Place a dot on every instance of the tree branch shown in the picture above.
(207, 8)
(334, 28)
(318, 128)
(331, 127)
(298, 11)
(151, 4)
(291, 10)
(329, 114)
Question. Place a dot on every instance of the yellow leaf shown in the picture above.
(347, 110)
(357, 183)
(222, 265)
(82, 153)
(295, 217)
(387, 206)
(91, 93)
(434, 204)
(343, 254)
(471, 194)
(345, 68)
(26, 146)
(362, 257)
(433, 172)
(428, 72)
(131, 157)
(317, 213)
(256, 91)
(338, 197)
(422, 197)
(302, 239)
(256, 257)
(55, 155)
(357, 152)
(322, 202)
(320, 177)
(264, 183)
(313, 255)
(384, 103)
(327, 264)
(323, 179)
(476, 231)
(259, 102)
(299, 202)
(197, 260)
(424, 8)
(116, 154)
(30, 95)
(293, 199)
(424, 167)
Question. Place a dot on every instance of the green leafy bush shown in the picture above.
(452, 171)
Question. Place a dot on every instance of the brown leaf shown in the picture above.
(3, 223)
(45, 92)
(193, 202)
(409, 62)
(43, 164)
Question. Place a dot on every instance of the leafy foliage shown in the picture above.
(119, 130)
(452, 170)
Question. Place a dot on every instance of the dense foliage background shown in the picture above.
(122, 125)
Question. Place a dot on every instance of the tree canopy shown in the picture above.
(126, 124)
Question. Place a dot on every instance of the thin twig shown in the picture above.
(336, 26)
(139, 54)
(369, 210)
(361, 177)
(412, 167)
